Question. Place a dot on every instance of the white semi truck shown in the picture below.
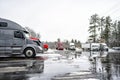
(72, 46)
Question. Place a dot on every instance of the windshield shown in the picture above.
(27, 35)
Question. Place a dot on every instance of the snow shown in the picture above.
(91, 79)
(78, 50)
(79, 73)
(50, 50)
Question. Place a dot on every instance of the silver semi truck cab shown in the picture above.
(14, 40)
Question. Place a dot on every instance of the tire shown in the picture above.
(29, 53)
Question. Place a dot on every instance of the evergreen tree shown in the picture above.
(94, 21)
(72, 41)
(107, 31)
(101, 26)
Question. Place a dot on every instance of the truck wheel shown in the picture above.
(29, 53)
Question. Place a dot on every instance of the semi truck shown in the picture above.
(72, 46)
(59, 46)
(14, 39)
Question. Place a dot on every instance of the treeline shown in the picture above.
(104, 29)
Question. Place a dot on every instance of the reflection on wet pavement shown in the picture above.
(107, 65)
(13, 77)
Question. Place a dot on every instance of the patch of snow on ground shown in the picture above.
(50, 50)
(79, 73)
(91, 79)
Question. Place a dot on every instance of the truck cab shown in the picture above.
(14, 39)
(59, 46)
(72, 46)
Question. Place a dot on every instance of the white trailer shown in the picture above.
(94, 46)
(91, 46)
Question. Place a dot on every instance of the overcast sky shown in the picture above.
(53, 19)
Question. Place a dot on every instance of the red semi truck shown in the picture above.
(59, 46)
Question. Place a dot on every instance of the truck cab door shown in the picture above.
(18, 42)
(2, 43)
(8, 38)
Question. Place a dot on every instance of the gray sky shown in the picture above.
(64, 19)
